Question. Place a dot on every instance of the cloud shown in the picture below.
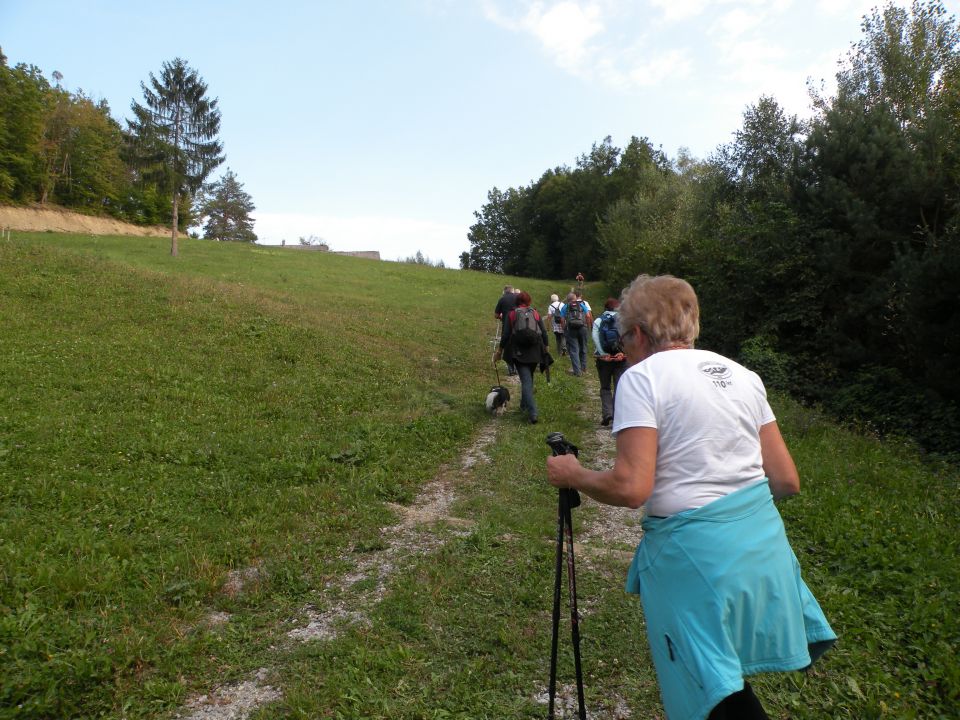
(677, 10)
(394, 237)
(582, 39)
(674, 64)
(564, 29)
(846, 8)
(735, 23)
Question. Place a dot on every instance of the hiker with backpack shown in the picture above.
(557, 324)
(576, 319)
(524, 343)
(611, 362)
(506, 303)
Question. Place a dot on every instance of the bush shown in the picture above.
(777, 369)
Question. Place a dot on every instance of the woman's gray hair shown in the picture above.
(665, 308)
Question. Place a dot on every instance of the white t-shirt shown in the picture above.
(554, 312)
(707, 411)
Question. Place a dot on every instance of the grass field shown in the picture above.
(170, 425)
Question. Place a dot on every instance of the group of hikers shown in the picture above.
(699, 449)
(525, 347)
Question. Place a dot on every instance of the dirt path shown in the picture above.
(412, 536)
(607, 531)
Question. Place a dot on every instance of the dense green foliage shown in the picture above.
(61, 148)
(167, 421)
(827, 249)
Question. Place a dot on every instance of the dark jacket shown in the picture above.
(532, 355)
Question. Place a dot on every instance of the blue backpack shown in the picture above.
(609, 335)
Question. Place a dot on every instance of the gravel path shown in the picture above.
(607, 531)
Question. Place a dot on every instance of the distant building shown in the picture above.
(323, 247)
(368, 254)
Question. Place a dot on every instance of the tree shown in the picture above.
(23, 93)
(227, 207)
(493, 236)
(421, 259)
(175, 133)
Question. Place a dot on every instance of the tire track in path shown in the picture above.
(607, 532)
(413, 535)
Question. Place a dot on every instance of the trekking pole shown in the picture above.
(568, 499)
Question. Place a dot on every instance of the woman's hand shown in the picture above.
(563, 470)
(628, 484)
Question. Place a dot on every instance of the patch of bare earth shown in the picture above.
(232, 702)
(42, 218)
(565, 705)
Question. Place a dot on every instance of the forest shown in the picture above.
(825, 250)
(62, 148)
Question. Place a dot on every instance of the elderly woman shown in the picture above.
(698, 446)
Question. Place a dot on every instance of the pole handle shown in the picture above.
(561, 446)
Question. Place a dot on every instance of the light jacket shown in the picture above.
(723, 598)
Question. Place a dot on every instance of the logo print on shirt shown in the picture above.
(718, 373)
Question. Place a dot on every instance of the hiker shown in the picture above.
(576, 320)
(525, 344)
(557, 323)
(608, 352)
(698, 446)
(579, 279)
(506, 303)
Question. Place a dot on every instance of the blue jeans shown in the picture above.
(526, 389)
(577, 349)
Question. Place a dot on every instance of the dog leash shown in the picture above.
(569, 499)
(495, 343)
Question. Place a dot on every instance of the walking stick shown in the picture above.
(569, 499)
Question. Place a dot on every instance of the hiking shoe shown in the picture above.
(606, 421)
(533, 420)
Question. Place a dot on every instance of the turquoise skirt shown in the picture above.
(723, 598)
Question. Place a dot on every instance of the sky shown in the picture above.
(383, 124)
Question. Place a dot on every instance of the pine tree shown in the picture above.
(227, 207)
(175, 133)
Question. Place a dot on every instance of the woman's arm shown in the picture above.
(778, 463)
(628, 484)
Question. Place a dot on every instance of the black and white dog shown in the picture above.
(497, 400)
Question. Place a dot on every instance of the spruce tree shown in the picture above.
(227, 207)
(175, 133)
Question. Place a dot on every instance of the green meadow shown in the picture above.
(168, 425)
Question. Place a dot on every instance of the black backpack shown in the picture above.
(575, 315)
(609, 335)
(526, 329)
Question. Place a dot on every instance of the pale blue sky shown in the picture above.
(382, 124)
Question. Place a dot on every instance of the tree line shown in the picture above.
(62, 147)
(826, 250)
